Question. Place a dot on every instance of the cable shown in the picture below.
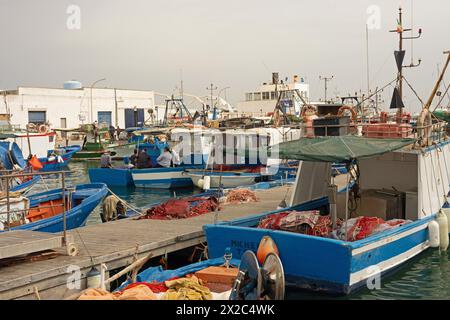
(414, 91)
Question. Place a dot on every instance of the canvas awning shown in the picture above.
(337, 149)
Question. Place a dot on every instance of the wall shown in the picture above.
(69, 104)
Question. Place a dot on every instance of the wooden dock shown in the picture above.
(117, 244)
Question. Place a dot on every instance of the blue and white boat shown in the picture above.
(161, 178)
(45, 213)
(410, 182)
(58, 158)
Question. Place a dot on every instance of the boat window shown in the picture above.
(266, 95)
(257, 96)
(249, 96)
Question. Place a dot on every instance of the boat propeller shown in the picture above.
(259, 283)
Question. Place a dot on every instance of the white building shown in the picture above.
(68, 108)
(264, 99)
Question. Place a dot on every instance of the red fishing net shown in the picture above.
(182, 208)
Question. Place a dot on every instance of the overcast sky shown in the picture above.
(142, 44)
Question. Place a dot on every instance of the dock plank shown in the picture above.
(115, 244)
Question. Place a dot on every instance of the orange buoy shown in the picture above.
(35, 163)
(266, 246)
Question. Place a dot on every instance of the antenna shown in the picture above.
(326, 80)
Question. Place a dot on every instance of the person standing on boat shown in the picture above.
(105, 160)
(112, 132)
(134, 158)
(165, 158)
(176, 161)
(144, 160)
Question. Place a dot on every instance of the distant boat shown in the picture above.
(58, 158)
(46, 212)
(222, 179)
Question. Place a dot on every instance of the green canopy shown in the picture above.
(337, 149)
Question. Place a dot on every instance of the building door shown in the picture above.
(63, 125)
(134, 118)
(104, 118)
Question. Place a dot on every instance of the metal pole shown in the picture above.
(7, 203)
(63, 186)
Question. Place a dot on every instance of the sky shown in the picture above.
(151, 44)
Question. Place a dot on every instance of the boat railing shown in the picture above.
(428, 134)
(7, 177)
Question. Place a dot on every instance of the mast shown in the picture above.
(438, 83)
(400, 54)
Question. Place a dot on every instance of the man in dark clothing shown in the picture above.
(134, 157)
(144, 160)
(105, 160)
(112, 131)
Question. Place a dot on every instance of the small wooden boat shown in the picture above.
(45, 213)
(224, 179)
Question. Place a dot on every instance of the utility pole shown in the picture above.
(326, 80)
(211, 88)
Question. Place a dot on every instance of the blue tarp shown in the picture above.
(158, 274)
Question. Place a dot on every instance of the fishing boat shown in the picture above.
(46, 211)
(94, 143)
(222, 179)
(58, 158)
(12, 161)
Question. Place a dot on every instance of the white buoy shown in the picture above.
(433, 232)
(201, 183)
(442, 220)
(206, 183)
(93, 278)
(447, 213)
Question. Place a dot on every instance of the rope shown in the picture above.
(442, 98)
(129, 206)
(414, 91)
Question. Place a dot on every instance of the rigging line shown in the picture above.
(438, 150)
(414, 91)
(376, 92)
(442, 98)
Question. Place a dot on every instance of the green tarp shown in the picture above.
(337, 149)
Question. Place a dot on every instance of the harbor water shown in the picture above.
(427, 276)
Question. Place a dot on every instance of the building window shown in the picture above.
(266, 95)
(249, 96)
(37, 117)
(273, 95)
(257, 96)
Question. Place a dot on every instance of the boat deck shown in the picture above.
(117, 244)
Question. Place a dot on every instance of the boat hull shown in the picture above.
(90, 196)
(161, 178)
(114, 177)
(226, 181)
(61, 161)
(323, 264)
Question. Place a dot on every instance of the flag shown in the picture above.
(399, 56)
(396, 101)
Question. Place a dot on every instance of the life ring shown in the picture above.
(349, 108)
(424, 123)
(43, 129)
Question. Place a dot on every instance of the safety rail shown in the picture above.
(9, 177)
(435, 132)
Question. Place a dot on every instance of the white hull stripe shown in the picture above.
(158, 175)
(388, 264)
(387, 240)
